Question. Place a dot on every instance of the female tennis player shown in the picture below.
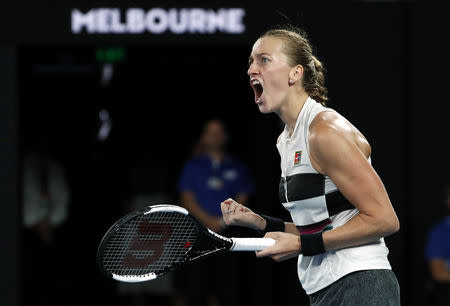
(339, 206)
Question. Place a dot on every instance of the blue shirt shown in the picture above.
(439, 242)
(213, 183)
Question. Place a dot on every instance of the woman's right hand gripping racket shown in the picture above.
(151, 242)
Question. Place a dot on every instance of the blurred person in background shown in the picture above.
(209, 176)
(438, 257)
(45, 196)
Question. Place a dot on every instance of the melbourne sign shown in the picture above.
(158, 21)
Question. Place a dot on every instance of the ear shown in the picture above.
(296, 73)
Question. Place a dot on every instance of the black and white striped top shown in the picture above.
(316, 204)
(302, 188)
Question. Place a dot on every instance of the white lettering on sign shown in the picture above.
(135, 20)
(159, 20)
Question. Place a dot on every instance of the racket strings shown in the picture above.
(149, 244)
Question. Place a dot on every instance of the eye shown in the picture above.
(264, 60)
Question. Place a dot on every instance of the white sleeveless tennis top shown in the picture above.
(316, 204)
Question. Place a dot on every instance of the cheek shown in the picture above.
(278, 79)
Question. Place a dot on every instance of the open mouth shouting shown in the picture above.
(257, 88)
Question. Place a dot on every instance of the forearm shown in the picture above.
(290, 228)
(442, 276)
(439, 270)
(360, 230)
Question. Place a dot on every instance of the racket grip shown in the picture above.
(251, 244)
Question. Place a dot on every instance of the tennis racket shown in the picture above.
(153, 241)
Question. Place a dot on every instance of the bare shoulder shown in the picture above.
(330, 128)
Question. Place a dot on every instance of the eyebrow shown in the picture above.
(250, 58)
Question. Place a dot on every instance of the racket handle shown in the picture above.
(251, 244)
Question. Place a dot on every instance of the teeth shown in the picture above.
(255, 82)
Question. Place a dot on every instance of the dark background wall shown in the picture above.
(384, 61)
(9, 229)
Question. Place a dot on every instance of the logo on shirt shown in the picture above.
(297, 158)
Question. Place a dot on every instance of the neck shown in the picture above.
(215, 154)
(290, 110)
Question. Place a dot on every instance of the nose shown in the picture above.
(252, 69)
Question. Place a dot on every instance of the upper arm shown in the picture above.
(336, 153)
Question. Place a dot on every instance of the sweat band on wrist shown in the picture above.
(273, 224)
(312, 244)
